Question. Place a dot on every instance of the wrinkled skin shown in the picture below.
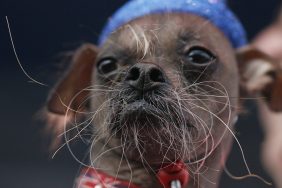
(188, 117)
(162, 88)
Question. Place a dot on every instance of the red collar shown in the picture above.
(92, 178)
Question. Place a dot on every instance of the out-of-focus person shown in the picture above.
(269, 41)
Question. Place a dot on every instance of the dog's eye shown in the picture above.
(199, 56)
(107, 65)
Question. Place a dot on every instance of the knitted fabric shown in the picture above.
(216, 11)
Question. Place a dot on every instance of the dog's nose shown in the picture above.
(145, 76)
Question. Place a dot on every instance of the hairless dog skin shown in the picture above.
(162, 88)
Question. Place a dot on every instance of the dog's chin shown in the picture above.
(144, 122)
(152, 136)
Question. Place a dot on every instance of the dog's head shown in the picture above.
(164, 87)
(168, 86)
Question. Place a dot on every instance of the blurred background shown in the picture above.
(43, 32)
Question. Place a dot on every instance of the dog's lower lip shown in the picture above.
(138, 105)
(141, 107)
(138, 110)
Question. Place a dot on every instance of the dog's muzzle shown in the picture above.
(142, 87)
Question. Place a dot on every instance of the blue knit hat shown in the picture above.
(216, 11)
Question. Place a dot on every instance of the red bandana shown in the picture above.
(91, 178)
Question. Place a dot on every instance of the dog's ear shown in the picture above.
(67, 100)
(70, 91)
(260, 76)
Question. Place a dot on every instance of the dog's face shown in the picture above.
(163, 88)
(168, 84)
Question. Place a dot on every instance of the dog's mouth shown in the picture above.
(160, 126)
(150, 113)
(140, 111)
(158, 106)
(151, 128)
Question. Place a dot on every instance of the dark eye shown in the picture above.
(199, 56)
(107, 65)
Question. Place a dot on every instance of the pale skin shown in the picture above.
(270, 42)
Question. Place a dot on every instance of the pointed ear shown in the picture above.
(68, 97)
(260, 76)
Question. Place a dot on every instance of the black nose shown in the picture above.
(145, 76)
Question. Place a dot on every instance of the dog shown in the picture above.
(161, 93)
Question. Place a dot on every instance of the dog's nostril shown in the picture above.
(156, 75)
(133, 74)
(144, 76)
